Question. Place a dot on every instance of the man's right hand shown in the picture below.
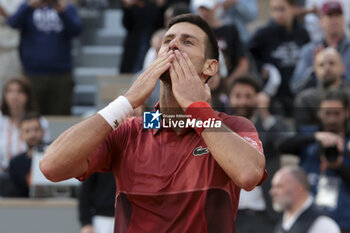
(328, 139)
(146, 82)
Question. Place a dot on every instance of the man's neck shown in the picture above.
(336, 84)
(333, 40)
(297, 206)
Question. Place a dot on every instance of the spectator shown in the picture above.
(228, 39)
(20, 166)
(47, 29)
(324, 155)
(17, 99)
(278, 44)
(312, 20)
(291, 195)
(332, 22)
(255, 213)
(240, 13)
(96, 204)
(9, 40)
(329, 70)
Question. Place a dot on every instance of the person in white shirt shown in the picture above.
(290, 194)
(17, 99)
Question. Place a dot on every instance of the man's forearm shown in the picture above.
(243, 163)
(67, 156)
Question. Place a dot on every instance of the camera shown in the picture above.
(331, 153)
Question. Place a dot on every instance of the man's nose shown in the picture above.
(173, 45)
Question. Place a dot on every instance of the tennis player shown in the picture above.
(168, 180)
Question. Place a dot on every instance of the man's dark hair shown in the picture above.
(212, 49)
(246, 80)
(30, 116)
(25, 87)
(339, 95)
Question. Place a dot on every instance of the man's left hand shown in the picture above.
(186, 84)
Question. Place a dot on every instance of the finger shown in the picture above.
(166, 57)
(178, 69)
(340, 145)
(173, 76)
(191, 67)
(157, 72)
(183, 64)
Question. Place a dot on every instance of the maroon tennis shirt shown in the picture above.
(169, 182)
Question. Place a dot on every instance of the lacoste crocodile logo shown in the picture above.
(200, 151)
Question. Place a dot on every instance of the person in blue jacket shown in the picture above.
(47, 28)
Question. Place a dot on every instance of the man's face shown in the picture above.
(333, 24)
(332, 115)
(328, 67)
(31, 132)
(15, 97)
(188, 38)
(243, 100)
(281, 12)
(281, 191)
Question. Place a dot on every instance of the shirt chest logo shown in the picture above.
(200, 151)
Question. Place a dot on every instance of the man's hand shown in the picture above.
(87, 229)
(146, 82)
(187, 86)
(328, 139)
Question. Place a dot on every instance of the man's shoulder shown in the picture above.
(19, 159)
(237, 122)
(308, 93)
(132, 124)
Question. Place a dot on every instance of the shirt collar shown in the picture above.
(155, 131)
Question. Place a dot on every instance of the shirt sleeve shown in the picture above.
(246, 130)
(106, 156)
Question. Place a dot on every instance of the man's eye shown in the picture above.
(167, 41)
(188, 42)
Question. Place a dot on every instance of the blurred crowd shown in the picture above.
(290, 76)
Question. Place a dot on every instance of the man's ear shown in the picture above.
(210, 67)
